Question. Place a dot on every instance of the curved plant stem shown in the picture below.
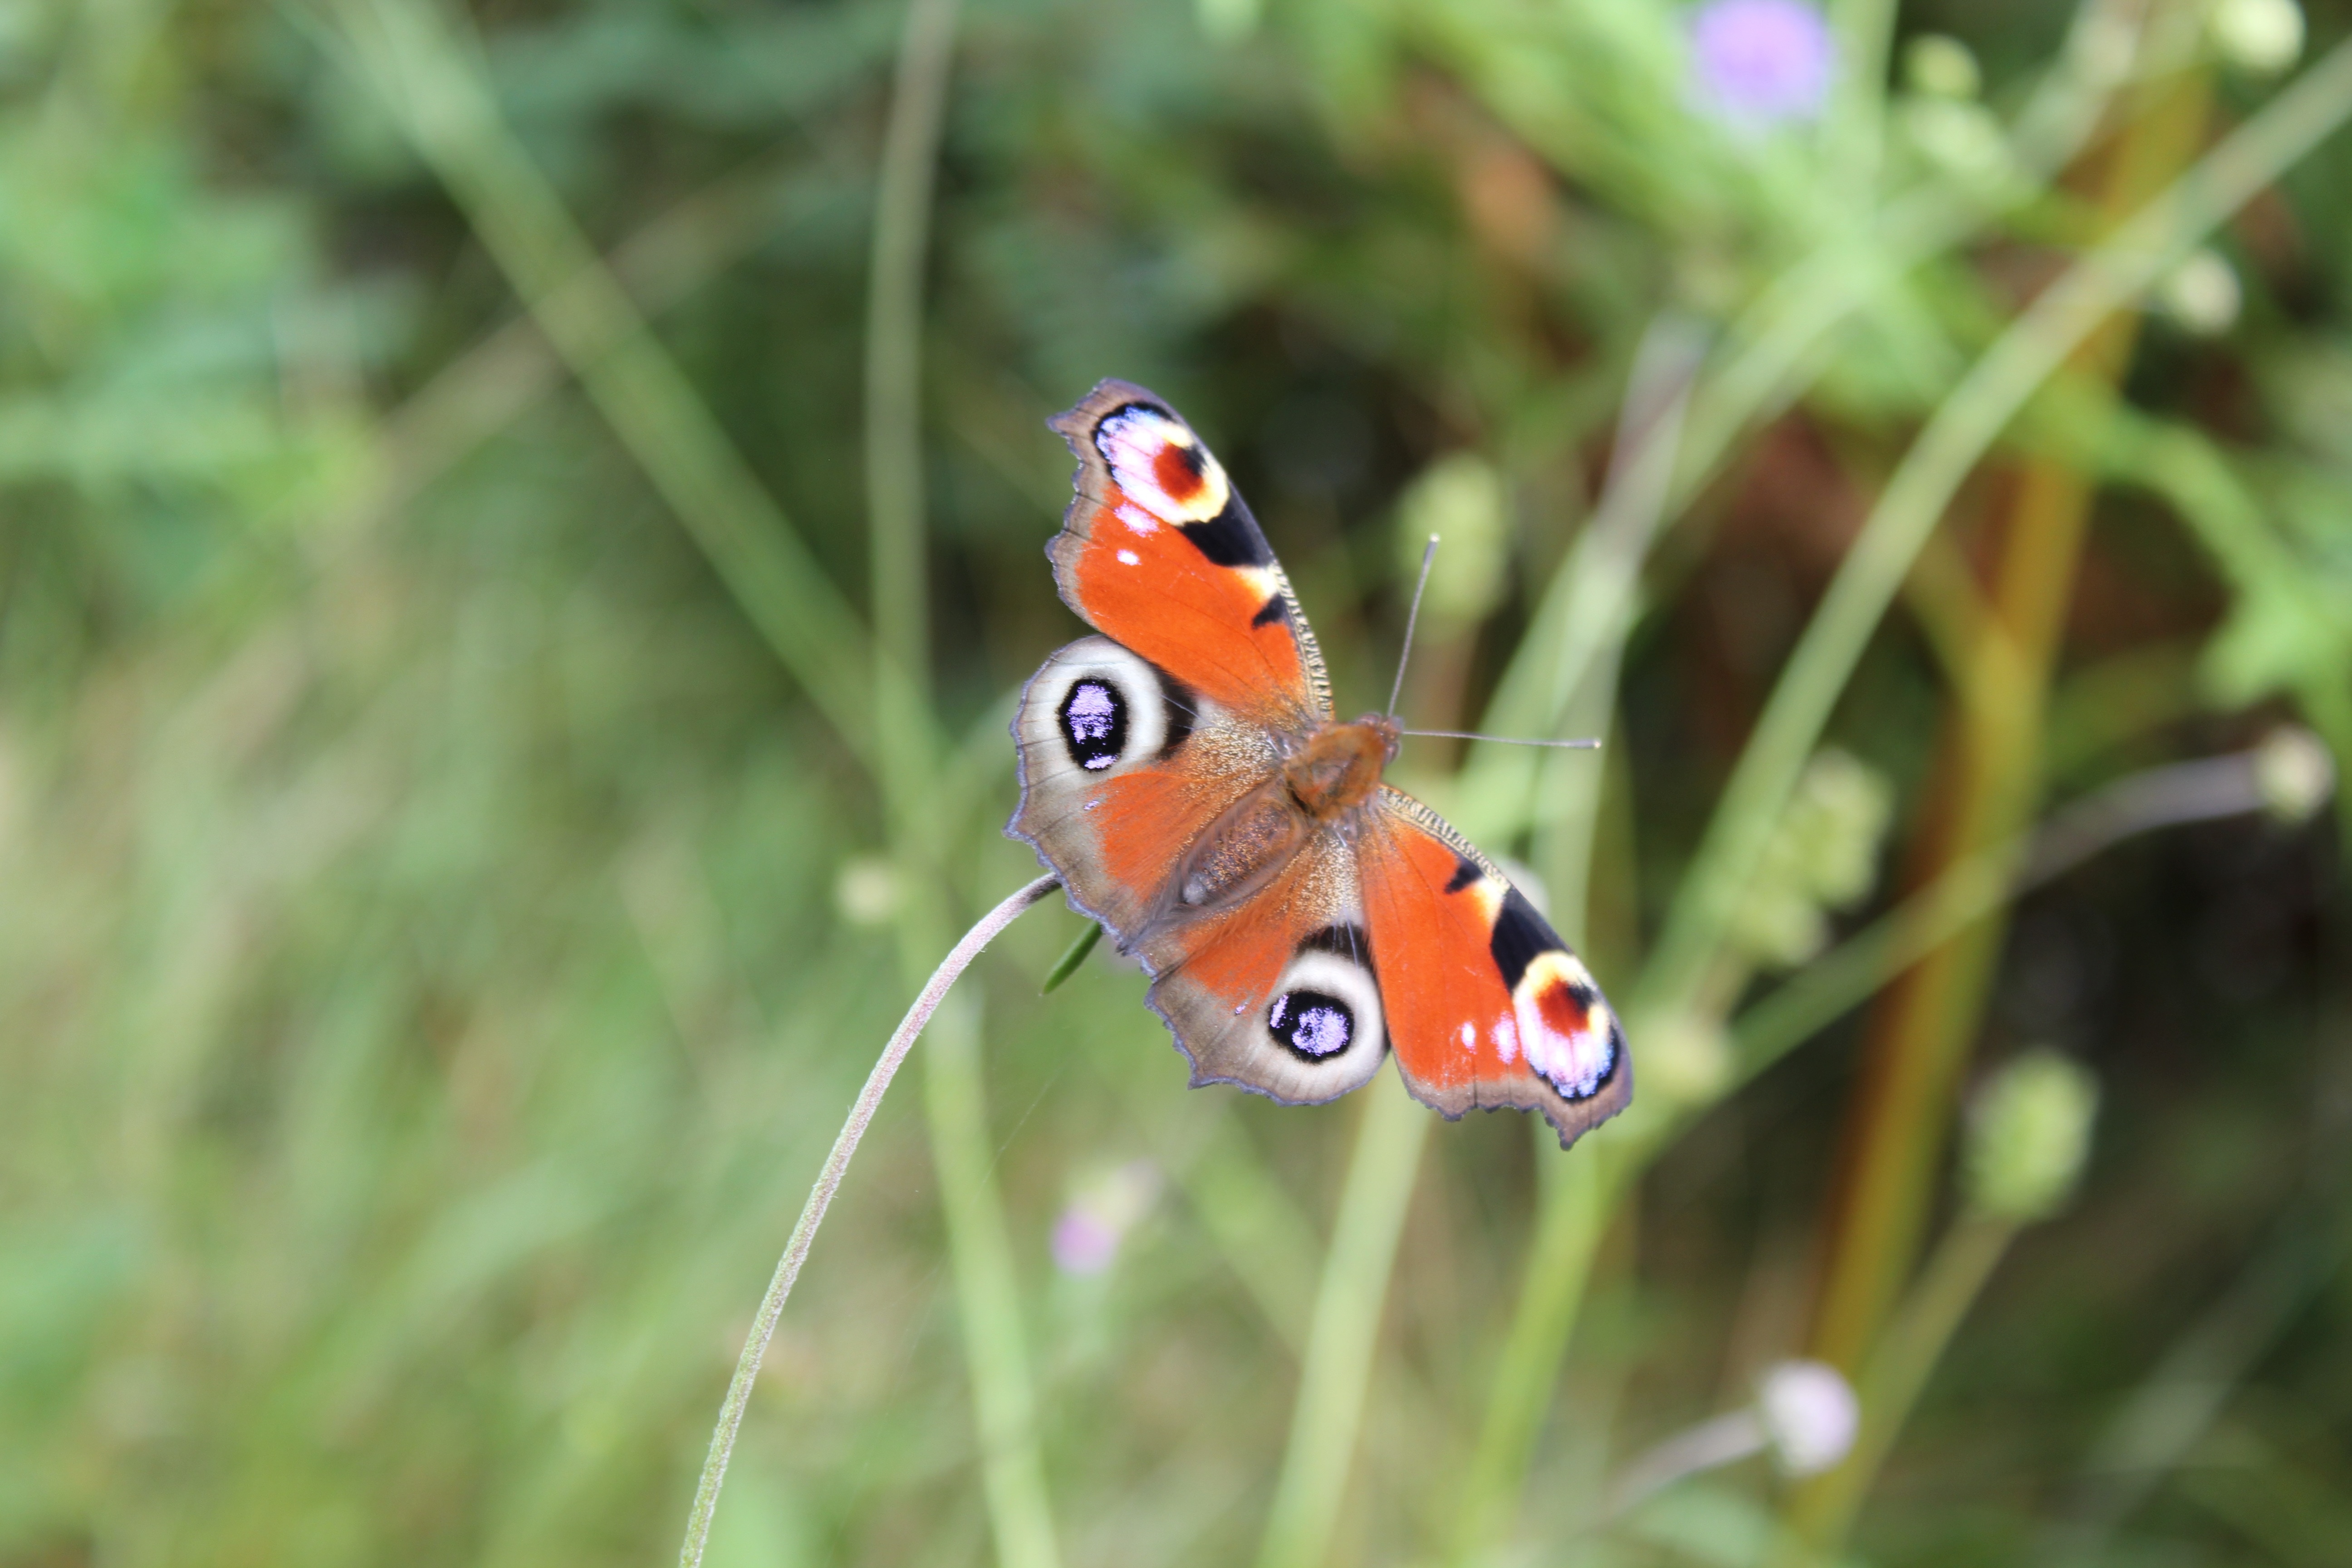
(828, 1182)
(980, 1254)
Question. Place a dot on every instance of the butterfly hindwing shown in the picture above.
(1158, 552)
(1122, 767)
(1167, 820)
(1485, 1005)
(1276, 992)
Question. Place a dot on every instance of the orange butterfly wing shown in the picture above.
(1158, 552)
(1122, 769)
(1485, 1005)
(1288, 954)
(1276, 992)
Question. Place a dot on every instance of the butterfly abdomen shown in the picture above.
(1240, 851)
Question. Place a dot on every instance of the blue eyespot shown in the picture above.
(1313, 1025)
(1094, 724)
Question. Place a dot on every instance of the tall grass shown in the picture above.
(523, 529)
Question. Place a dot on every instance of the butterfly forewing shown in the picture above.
(1158, 551)
(1487, 1006)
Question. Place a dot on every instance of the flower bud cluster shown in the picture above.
(2029, 1131)
(1823, 858)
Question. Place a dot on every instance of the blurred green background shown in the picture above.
(522, 526)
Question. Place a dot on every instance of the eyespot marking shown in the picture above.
(1177, 470)
(1094, 724)
(1325, 1013)
(1311, 1023)
(1159, 467)
(1572, 1040)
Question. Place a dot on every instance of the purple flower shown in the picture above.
(1755, 62)
(1083, 1242)
(1103, 1207)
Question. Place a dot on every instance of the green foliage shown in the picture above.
(445, 876)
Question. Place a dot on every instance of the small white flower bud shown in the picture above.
(1810, 1414)
(2029, 1131)
(866, 890)
(2202, 294)
(2263, 36)
(2295, 773)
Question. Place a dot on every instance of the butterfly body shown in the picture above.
(1338, 771)
(1185, 777)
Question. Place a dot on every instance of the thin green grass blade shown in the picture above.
(1072, 956)
(433, 88)
(1578, 1197)
(1338, 1365)
(988, 1299)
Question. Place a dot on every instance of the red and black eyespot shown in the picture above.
(1161, 451)
(1566, 1006)
(1177, 471)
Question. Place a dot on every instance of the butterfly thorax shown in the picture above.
(1340, 767)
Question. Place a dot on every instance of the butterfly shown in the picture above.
(1183, 774)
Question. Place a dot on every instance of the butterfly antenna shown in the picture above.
(1584, 745)
(1412, 615)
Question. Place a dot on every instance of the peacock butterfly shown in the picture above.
(1183, 773)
